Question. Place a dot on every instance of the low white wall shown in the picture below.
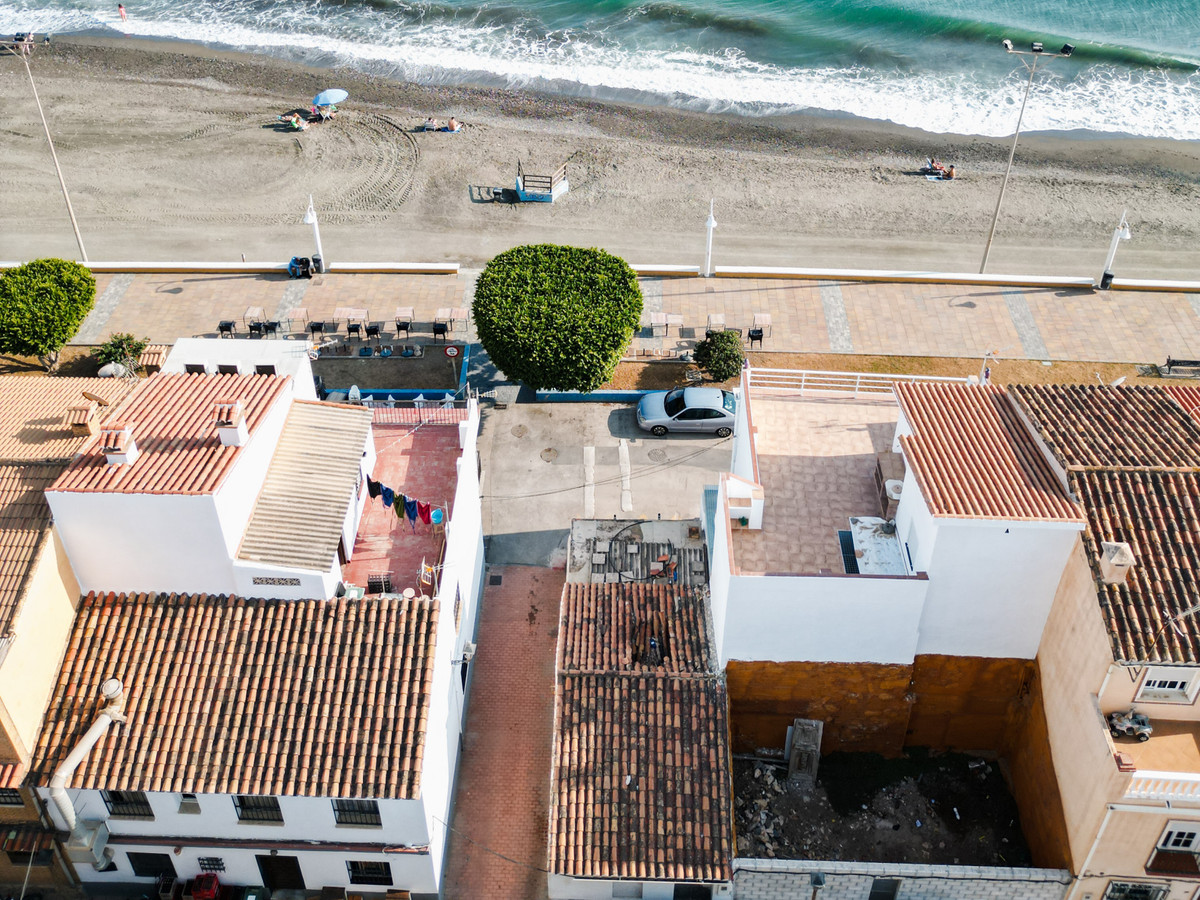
(312, 584)
(772, 879)
(823, 618)
(563, 887)
(289, 357)
(718, 578)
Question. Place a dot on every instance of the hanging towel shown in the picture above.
(400, 501)
(374, 488)
(423, 511)
(410, 510)
(388, 495)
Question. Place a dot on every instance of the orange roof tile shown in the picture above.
(227, 695)
(24, 521)
(171, 417)
(34, 409)
(12, 775)
(1094, 425)
(641, 782)
(973, 457)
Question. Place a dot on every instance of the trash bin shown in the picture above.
(1106, 281)
(318, 265)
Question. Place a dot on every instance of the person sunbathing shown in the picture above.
(431, 124)
(453, 124)
(297, 123)
(948, 175)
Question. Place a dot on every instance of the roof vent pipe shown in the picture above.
(114, 694)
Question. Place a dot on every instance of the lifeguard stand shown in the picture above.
(541, 188)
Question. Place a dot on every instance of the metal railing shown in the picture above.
(427, 412)
(858, 384)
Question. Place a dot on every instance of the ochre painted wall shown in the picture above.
(967, 703)
(863, 705)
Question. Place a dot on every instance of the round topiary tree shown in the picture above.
(42, 305)
(721, 355)
(557, 317)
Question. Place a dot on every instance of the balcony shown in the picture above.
(1167, 766)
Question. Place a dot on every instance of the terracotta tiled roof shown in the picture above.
(26, 837)
(12, 775)
(24, 521)
(172, 421)
(641, 776)
(1093, 425)
(226, 695)
(312, 478)
(975, 459)
(1158, 515)
(33, 413)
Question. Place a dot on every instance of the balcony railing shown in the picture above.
(1175, 786)
(857, 384)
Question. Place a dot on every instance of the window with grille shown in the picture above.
(257, 809)
(356, 812)
(1130, 890)
(379, 584)
(151, 865)
(369, 872)
(38, 858)
(211, 864)
(129, 804)
(10, 797)
(1176, 851)
(1180, 836)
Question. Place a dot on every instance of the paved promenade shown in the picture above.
(808, 316)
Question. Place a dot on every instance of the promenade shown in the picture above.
(805, 316)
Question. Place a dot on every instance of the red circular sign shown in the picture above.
(451, 351)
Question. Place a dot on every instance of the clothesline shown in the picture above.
(405, 506)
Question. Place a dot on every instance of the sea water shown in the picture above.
(937, 66)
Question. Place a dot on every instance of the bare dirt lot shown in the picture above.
(944, 809)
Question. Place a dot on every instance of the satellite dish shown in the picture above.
(1120, 381)
(95, 398)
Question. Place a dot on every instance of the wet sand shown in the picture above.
(173, 151)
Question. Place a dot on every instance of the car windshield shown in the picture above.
(673, 402)
(728, 402)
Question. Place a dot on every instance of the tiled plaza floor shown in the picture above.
(498, 847)
(806, 316)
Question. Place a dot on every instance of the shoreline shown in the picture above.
(796, 189)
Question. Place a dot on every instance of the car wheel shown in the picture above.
(659, 430)
(724, 431)
(1143, 736)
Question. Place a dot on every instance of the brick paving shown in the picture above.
(807, 316)
(503, 794)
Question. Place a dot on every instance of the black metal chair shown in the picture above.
(256, 329)
(226, 328)
(755, 334)
(439, 330)
(316, 328)
(372, 332)
(353, 330)
(403, 325)
(271, 328)
(708, 335)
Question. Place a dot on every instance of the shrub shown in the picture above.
(119, 348)
(556, 317)
(721, 355)
(42, 305)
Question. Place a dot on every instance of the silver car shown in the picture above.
(709, 410)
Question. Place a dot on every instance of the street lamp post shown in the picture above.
(1120, 233)
(54, 156)
(310, 218)
(1037, 52)
(709, 225)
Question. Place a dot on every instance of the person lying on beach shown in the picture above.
(453, 125)
(297, 123)
(935, 166)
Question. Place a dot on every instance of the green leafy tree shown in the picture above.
(556, 317)
(121, 348)
(721, 355)
(42, 305)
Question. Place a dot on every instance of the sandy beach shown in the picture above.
(173, 151)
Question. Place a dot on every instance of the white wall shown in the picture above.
(288, 357)
(143, 542)
(312, 584)
(718, 578)
(823, 618)
(462, 572)
(991, 585)
(564, 887)
(743, 464)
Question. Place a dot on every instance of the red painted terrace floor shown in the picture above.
(498, 846)
(418, 461)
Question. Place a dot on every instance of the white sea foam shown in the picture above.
(1103, 99)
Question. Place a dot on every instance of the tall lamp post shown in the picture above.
(310, 218)
(1038, 53)
(1120, 233)
(24, 54)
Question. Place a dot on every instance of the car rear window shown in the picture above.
(728, 402)
(673, 402)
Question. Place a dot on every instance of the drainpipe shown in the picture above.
(1087, 862)
(113, 692)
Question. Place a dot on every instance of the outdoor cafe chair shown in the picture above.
(226, 327)
(316, 328)
(372, 332)
(256, 329)
(271, 328)
(353, 329)
(755, 334)
(439, 330)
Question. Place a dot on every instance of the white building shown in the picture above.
(201, 356)
(217, 484)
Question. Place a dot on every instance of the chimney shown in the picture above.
(118, 444)
(81, 418)
(1116, 559)
(231, 424)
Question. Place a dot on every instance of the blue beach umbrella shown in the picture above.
(330, 97)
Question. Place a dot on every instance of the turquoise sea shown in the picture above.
(932, 65)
